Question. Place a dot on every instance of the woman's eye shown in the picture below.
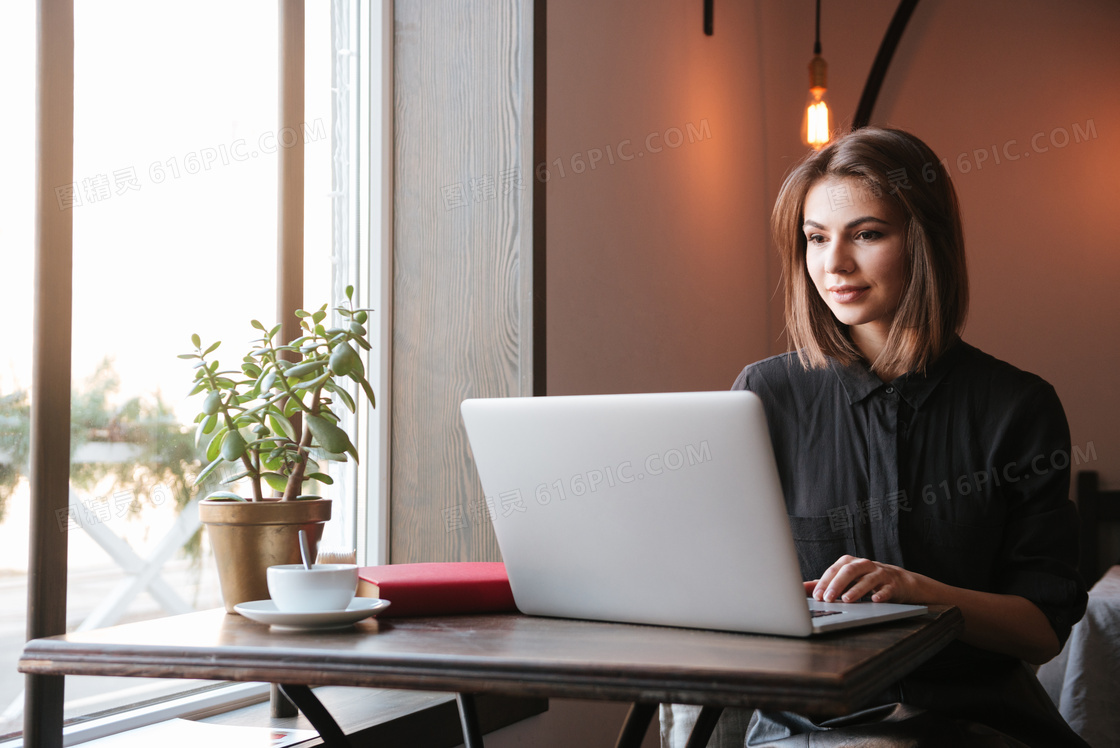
(868, 235)
(815, 239)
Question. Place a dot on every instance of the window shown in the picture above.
(17, 211)
(174, 207)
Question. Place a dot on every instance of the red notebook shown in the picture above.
(438, 588)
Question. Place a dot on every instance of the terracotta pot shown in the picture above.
(250, 536)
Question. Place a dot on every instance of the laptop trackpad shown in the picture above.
(835, 616)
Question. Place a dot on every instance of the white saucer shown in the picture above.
(264, 611)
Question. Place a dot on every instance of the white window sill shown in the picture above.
(195, 705)
(386, 717)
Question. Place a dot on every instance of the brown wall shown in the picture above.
(660, 271)
(656, 265)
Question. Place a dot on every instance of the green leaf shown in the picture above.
(207, 470)
(318, 316)
(212, 348)
(213, 449)
(357, 329)
(322, 478)
(212, 402)
(307, 497)
(257, 325)
(235, 478)
(225, 496)
(307, 367)
(251, 369)
(344, 359)
(328, 435)
(349, 293)
(312, 384)
(233, 446)
(360, 317)
(301, 314)
(344, 396)
(281, 425)
(274, 330)
(275, 481)
(196, 340)
(199, 432)
(367, 389)
(188, 355)
(291, 407)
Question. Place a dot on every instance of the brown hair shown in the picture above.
(934, 299)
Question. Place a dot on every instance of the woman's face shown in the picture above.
(855, 254)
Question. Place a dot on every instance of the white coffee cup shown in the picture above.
(323, 587)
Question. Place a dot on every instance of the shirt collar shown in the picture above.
(859, 381)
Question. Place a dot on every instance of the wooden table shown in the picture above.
(518, 655)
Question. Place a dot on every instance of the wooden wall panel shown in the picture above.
(462, 258)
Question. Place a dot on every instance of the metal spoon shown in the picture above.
(304, 550)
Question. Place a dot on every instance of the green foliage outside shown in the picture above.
(162, 451)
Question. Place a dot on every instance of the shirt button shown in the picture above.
(890, 390)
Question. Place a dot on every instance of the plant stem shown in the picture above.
(254, 472)
(295, 480)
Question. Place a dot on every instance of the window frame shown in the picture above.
(371, 196)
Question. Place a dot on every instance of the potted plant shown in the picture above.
(274, 419)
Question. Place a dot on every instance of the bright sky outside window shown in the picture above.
(174, 207)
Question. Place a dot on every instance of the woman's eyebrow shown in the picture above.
(850, 224)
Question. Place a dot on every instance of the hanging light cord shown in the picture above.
(817, 44)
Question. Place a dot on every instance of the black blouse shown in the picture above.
(961, 474)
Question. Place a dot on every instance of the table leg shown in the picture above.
(468, 718)
(279, 705)
(704, 727)
(636, 725)
(317, 715)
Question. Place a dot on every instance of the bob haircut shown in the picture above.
(896, 166)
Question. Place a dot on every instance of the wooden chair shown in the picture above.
(1096, 507)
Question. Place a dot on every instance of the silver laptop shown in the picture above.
(651, 508)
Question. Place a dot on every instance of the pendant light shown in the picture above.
(815, 125)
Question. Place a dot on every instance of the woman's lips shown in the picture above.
(847, 294)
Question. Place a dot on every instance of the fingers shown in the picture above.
(850, 579)
(883, 594)
(835, 579)
(809, 587)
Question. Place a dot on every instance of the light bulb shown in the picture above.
(815, 130)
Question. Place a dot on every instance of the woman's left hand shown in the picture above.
(852, 578)
(998, 622)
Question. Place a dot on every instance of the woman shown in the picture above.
(916, 468)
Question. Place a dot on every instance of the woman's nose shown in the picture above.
(839, 260)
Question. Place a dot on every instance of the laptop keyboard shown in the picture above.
(819, 613)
